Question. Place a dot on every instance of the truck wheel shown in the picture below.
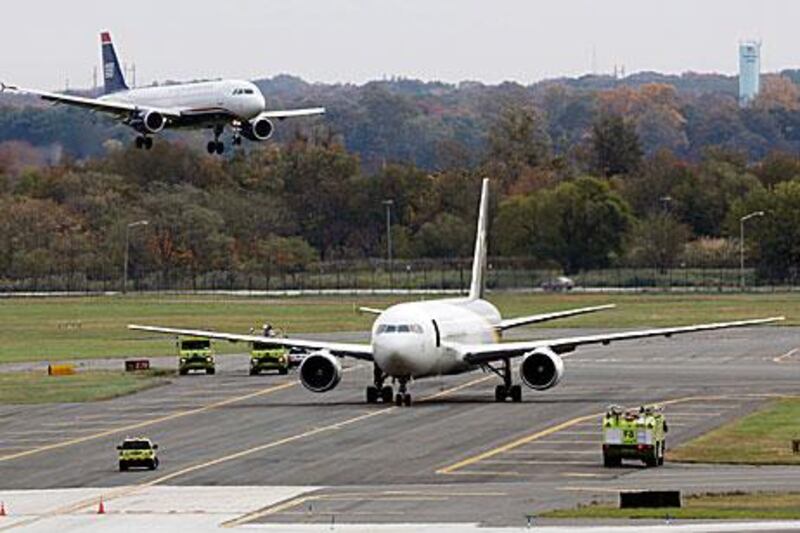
(253, 372)
(210, 371)
(153, 464)
(651, 459)
(123, 466)
(283, 371)
(183, 371)
(611, 462)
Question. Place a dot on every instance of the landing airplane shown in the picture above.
(149, 110)
(449, 336)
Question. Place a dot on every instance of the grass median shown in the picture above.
(761, 438)
(83, 386)
(725, 506)
(52, 329)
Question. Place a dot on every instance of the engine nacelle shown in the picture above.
(541, 369)
(320, 372)
(259, 129)
(152, 122)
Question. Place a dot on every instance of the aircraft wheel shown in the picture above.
(139, 142)
(211, 147)
(398, 399)
(500, 393)
(516, 393)
(220, 148)
(386, 394)
(372, 394)
(407, 399)
(147, 142)
(237, 141)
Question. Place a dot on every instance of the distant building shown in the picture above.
(749, 71)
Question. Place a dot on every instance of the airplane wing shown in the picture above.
(370, 310)
(486, 353)
(357, 351)
(122, 109)
(291, 113)
(545, 317)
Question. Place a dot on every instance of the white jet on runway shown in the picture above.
(451, 336)
(149, 110)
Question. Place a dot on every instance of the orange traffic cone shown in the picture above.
(2, 508)
(101, 509)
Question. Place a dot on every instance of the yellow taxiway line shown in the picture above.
(145, 423)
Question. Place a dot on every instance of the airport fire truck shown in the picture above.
(639, 433)
(268, 357)
(195, 353)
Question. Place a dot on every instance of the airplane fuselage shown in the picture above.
(410, 339)
(227, 99)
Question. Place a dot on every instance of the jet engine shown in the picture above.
(259, 129)
(320, 372)
(152, 122)
(541, 369)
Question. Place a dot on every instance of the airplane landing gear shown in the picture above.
(379, 391)
(507, 389)
(403, 397)
(216, 145)
(144, 142)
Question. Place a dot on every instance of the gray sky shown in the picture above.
(44, 43)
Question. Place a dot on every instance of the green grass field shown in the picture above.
(53, 329)
(84, 386)
(741, 506)
(763, 437)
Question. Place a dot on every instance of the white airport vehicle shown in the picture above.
(450, 336)
(150, 110)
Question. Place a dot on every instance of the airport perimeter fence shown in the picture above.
(402, 276)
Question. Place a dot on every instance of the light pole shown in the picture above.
(127, 251)
(741, 243)
(389, 204)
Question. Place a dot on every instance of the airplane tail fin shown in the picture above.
(113, 80)
(478, 282)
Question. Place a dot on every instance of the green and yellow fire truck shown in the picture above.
(195, 353)
(268, 357)
(639, 434)
(138, 451)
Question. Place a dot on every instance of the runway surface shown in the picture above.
(455, 456)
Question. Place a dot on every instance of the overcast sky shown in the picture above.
(44, 43)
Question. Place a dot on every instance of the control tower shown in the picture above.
(749, 71)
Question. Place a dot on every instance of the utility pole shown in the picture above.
(389, 204)
(741, 243)
(127, 251)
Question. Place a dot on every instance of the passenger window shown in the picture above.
(403, 329)
(416, 328)
(391, 329)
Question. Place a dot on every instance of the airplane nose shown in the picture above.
(391, 355)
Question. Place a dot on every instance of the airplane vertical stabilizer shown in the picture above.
(478, 282)
(113, 80)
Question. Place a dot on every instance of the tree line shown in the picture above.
(637, 178)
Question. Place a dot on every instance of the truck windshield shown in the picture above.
(136, 445)
(195, 345)
(264, 346)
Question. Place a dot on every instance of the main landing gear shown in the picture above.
(144, 142)
(379, 391)
(507, 389)
(216, 145)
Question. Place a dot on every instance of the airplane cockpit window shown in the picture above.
(398, 328)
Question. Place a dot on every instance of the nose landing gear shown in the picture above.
(403, 397)
(216, 145)
(379, 391)
(145, 142)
